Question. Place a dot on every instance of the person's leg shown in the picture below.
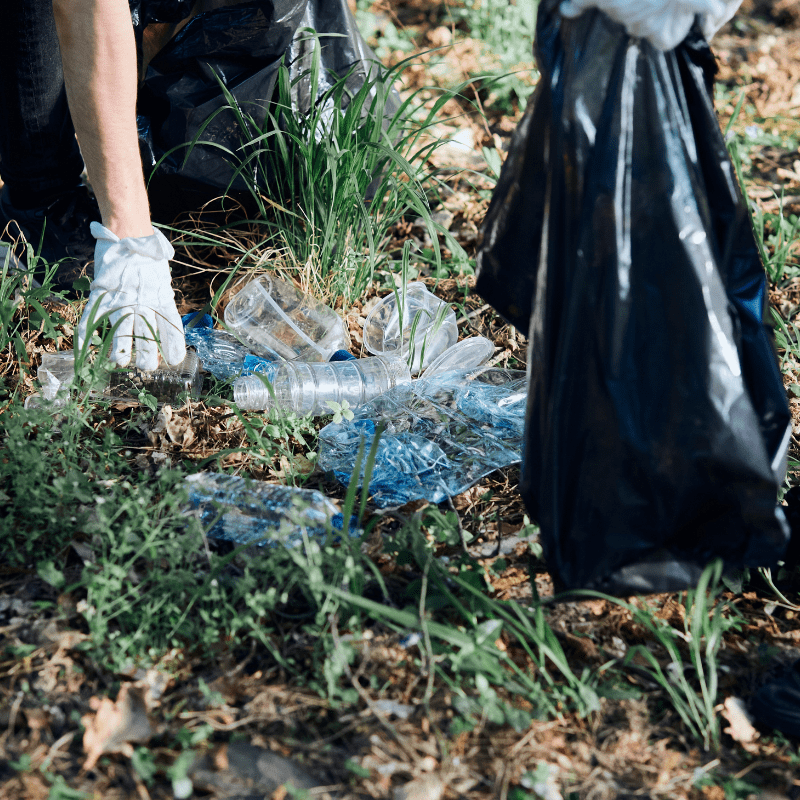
(40, 162)
(98, 53)
(39, 157)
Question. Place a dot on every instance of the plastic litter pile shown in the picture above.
(286, 351)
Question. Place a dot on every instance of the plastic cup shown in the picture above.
(428, 327)
(274, 316)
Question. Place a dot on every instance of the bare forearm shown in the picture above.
(98, 52)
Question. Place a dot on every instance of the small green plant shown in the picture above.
(340, 410)
(691, 687)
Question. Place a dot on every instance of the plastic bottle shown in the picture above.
(307, 387)
(272, 315)
(222, 355)
(428, 326)
(254, 512)
(165, 383)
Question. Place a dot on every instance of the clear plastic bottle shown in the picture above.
(307, 387)
(427, 329)
(254, 512)
(165, 383)
(272, 315)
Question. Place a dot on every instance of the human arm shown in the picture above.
(98, 53)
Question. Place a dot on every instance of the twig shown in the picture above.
(55, 747)
(475, 313)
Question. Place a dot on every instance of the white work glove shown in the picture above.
(664, 23)
(132, 283)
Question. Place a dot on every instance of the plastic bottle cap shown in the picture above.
(466, 354)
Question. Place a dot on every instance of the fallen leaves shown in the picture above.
(740, 726)
(115, 724)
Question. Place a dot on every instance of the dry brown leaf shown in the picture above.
(427, 787)
(115, 724)
(741, 728)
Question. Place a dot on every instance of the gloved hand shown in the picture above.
(132, 283)
(664, 23)
(712, 22)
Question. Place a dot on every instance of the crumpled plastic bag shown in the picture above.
(243, 42)
(657, 425)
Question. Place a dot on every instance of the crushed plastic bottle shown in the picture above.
(441, 435)
(166, 383)
(274, 316)
(253, 512)
(223, 355)
(427, 330)
(307, 388)
(467, 354)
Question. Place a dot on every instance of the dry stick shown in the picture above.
(377, 713)
(55, 747)
(474, 313)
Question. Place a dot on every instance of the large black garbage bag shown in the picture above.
(242, 42)
(657, 424)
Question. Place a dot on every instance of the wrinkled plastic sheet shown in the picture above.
(243, 43)
(618, 239)
(440, 436)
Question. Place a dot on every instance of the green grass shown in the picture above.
(339, 180)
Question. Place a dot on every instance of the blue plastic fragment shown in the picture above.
(342, 355)
(202, 321)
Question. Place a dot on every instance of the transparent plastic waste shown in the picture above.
(467, 354)
(274, 316)
(440, 435)
(166, 383)
(54, 375)
(428, 326)
(253, 512)
(307, 387)
(222, 355)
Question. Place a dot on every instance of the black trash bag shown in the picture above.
(343, 54)
(243, 42)
(657, 424)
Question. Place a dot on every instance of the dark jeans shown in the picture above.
(39, 156)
